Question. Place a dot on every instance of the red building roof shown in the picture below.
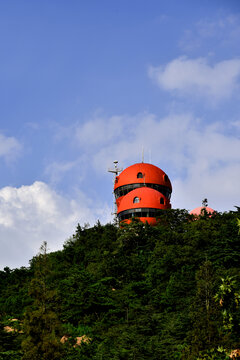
(199, 210)
(150, 174)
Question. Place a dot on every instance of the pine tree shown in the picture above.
(204, 312)
(41, 324)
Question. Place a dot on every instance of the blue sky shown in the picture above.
(86, 82)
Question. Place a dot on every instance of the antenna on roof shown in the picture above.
(115, 171)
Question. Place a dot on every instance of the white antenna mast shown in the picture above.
(115, 171)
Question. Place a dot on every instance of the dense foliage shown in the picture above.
(138, 292)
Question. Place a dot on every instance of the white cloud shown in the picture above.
(9, 147)
(213, 172)
(145, 131)
(202, 160)
(98, 131)
(56, 170)
(32, 214)
(195, 77)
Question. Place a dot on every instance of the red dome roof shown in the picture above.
(198, 211)
(151, 174)
(143, 197)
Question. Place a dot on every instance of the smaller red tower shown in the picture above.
(199, 210)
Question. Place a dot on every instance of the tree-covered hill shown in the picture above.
(138, 292)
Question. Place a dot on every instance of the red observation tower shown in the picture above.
(141, 190)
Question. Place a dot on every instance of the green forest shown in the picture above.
(133, 292)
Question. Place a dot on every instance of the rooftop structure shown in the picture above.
(200, 210)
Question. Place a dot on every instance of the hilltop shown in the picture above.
(138, 292)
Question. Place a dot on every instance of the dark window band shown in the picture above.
(141, 212)
(125, 189)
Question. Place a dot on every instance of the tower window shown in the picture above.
(166, 178)
(139, 175)
(162, 201)
(136, 200)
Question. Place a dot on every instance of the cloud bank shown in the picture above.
(32, 214)
(201, 159)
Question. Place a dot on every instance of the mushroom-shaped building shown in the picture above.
(141, 190)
